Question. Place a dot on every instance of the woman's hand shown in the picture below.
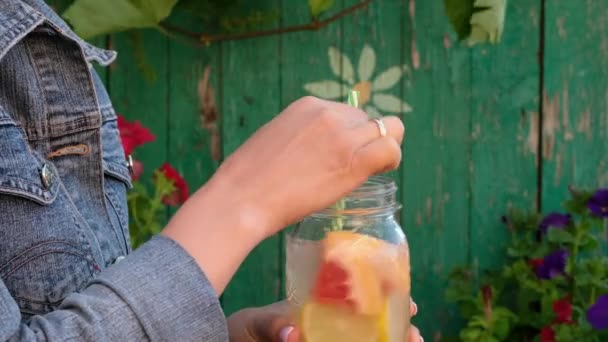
(272, 323)
(304, 160)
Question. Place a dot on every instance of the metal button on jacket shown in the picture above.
(46, 175)
(129, 164)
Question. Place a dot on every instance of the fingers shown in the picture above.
(272, 323)
(289, 334)
(370, 130)
(414, 335)
(345, 113)
(413, 307)
(354, 115)
(382, 154)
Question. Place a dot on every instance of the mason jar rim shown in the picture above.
(375, 187)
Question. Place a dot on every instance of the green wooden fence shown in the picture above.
(491, 127)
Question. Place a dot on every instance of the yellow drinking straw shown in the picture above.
(338, 222)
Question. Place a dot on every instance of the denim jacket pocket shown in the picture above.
(46, 252)
(117, 180)
(117, 176)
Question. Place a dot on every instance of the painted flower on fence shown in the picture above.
(373, 98)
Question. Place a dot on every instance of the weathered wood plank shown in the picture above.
(251, 97)
(436, 159)
(193, 132)
(504, 131)
(575, 99)
(138, 97)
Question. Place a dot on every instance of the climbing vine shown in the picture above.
(475, 21)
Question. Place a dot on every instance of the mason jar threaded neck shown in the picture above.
(375, 197)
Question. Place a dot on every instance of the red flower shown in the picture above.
(180, 195)
(133, 134)
(535, 263)
(563, 310)
(547, 334)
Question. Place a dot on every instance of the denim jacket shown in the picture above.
(63, 210)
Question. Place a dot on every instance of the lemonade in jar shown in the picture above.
(348, 269)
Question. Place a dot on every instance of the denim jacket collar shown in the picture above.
(19, 17)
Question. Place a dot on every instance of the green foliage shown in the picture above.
(90, 18)
(514, 303)
(146, 209)
(477, 21)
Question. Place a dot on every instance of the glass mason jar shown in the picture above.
(348, 270)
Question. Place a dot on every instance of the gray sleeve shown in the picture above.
(158, 293)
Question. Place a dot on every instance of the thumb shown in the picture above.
(274, 323)
(288, 334)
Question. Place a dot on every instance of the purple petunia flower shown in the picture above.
(552, 265)
(554, 220)
(598, 203)
(597, 314)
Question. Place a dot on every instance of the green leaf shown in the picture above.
(318, 7)
(459, 13)
(488, 21)
(560, 236)
(577, 204)
(470, 334)
(590, 243)
(502, 321)
(477, 21)
(90, 18)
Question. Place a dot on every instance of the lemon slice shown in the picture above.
(328, 323)
(383, 325)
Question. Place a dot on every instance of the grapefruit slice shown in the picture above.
(358, 271)
(351, 285)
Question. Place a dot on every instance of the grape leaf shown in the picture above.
(488, 21)
(477, 21)
(90, 18)
(317, 7)
(459, 13)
